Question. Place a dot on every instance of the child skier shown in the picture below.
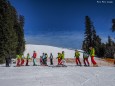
(51, 59)
(63, 59)
(85, 58)
(27, 59)
(77, 54)
(92, 54)
(59, 59)
(18, 60)
(22, 60)
(46, 56)
(41, 60)
(34, 58)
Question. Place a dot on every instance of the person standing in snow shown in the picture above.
(27, 59)
(8, 60)
(85, 58)
(92, 54)
(46, 56)
(41, 60)
(59, 59)
(22, 60)
(18, 60)
(51, 59)
(77, 54)
(34, 58)
(63, 57)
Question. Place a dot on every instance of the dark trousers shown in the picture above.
(7, 62)
(27, 62)
(51, 61)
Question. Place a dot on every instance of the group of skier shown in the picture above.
(20, 59)
(85, 57)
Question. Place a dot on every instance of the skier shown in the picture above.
(18, 60)
(27, 59)
(59, 59)
(22, 60)
(77, 54)
(8, 59)
(92, 54)
(51, 59)
(85, 58)
(41, 60)
(63, 59)
(46, 56)
(34, 58)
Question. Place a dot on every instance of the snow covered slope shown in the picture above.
(49, 49)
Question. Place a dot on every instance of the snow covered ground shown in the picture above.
(56, 76)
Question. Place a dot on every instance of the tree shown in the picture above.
(8, 30)
(88, 34)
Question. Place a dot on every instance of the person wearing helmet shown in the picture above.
(85, 58)
(92, 54)
(27, 59)
(34, 58)
(77, 54)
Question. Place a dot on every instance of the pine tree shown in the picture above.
(88, 34)
(9, 25)
(20, 34)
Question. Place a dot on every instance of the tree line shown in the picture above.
(92, 39)
(12, 40)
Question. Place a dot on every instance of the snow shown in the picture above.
(56, 76)
(69, 53)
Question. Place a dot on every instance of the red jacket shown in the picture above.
(34, 55)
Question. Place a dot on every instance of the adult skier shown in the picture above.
(8, 60)
(77, 54)
(85, 58)
(51, 59)
(34, 58)
(27, 59)
(92, 54)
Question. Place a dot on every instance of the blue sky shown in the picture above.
(61, 23)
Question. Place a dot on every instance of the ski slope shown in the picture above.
(49, 49)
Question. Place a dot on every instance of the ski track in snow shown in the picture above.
(59, 76)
